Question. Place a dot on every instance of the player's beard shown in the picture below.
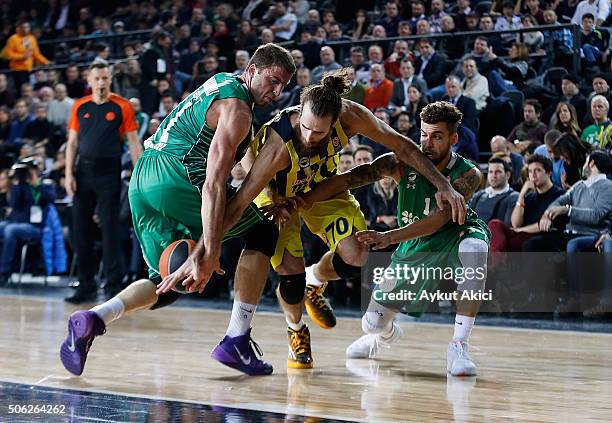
(304, 151)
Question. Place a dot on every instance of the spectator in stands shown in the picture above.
(407, 127)
(423, 27)
(508, 75)
(500, 145)
(587, 207)
(103, 52)
(246, 39)
(347, 162)
(418, 14)
(38, 130)
(254, 11)
(400, 98)
(378, 94)
(559, 43)
(430, 65)
(359, 64)
(285, 23)
(565, 119)
(241, 60)
(328, 64)
(534, 39)
(59, 108)
(358, 90)
(531, 128)
(5, 126)
(493, 41)
(6, 96)
(19, 124)
(497, 200)
(336, 34)
(22, 52)
(390, 18)
(591, 41)
(292, 97)
(466, 145)
(5, 188)
(375, 55)
(142, 119)
(547, 150)
(600, 132)
(313, 21)
(28, 201)
(599, 9)
(600, 87)
(533, 200)
(436, 14)
(361, 26)
(417, 102)
(570, 88)
(74, 84)
(508, 20)
(382, 205)
(393, 62)
(573, 152)
(453, 47)
(157, 64)
(472, 21)
(463, 103)
(474, 85)
(166, 105)
(532, 8)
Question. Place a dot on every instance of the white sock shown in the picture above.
(378, 319)
(311, 279)
(240, 322)
(463, 327)
(295, 326)
(110, 310)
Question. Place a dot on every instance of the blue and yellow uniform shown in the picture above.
(332, 220)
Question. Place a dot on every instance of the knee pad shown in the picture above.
(473, 255)
(292, 288)
(346, 271)
(262, 237)
(165, 299)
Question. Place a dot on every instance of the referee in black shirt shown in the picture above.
(98, 125)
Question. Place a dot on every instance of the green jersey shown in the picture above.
(185, 134)
(417, 199)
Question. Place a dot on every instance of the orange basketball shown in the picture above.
(174, 256)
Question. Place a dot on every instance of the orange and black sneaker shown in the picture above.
(318, 307)
(300, 356)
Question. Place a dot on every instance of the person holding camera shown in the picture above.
(28, 201)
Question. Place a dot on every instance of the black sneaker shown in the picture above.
(84, 293)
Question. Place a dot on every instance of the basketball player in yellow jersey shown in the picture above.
(289, 156)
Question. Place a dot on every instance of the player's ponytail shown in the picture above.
(325, 98)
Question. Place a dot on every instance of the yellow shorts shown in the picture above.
(331, 220)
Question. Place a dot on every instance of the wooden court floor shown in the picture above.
(524, 375)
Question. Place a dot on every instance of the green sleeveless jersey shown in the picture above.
(417, 199)
(184, 133)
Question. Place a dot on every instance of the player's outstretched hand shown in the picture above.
(282, 211)
(455, 200)
(378, 240)
(193, 275)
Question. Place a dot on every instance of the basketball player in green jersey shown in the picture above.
(294, 152)
(427, 239)
(178, 190)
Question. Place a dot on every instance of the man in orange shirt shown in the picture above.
(21, 51)
(379, 90)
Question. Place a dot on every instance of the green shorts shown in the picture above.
(167, 207)
(418, 271)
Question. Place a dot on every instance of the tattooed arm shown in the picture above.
(466, 185)
(386, 165)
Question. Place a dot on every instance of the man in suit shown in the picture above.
(463, 103)
(358, 90)
(430, 65)
(399, 98)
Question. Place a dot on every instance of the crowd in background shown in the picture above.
(536, 105)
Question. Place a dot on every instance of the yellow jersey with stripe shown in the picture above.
(304, 172)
